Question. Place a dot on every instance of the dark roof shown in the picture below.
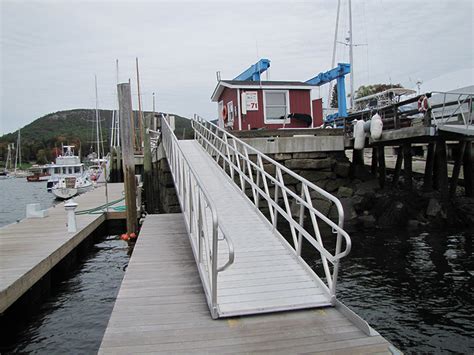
(236, 84)
(266, 83)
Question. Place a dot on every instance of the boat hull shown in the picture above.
(63, 193)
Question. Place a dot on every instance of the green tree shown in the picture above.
(41, 157)
(366, 90)
(334, 103)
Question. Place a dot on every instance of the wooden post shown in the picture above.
(457, 167)
(126, 137)
(407, 165)
(398, 166)
(373, 167)
(429, 167)
(147, 169)
(441, 171)
(468, 165)
(382, 170)
(119, 164)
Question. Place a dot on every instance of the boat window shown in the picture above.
(57, 170)
(77, 169)
(64, 170)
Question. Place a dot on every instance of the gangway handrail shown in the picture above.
(221, 144)
(200, 216)
(441, 116)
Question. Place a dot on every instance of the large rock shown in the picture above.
(315, 176)
(310, 155)
(322, 205)
(345, 191)
(282, 156)
(434, 208)
(342, 169)
(367, 221)
(306, 164)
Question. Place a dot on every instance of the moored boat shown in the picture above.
(68, 175)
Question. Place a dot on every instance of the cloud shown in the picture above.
(50, 51)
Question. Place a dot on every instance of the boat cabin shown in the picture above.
(246, 105)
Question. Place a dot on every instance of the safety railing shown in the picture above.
(251, 168)
(452, 108)
(200, 217)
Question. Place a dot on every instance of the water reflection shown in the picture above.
(76, 316)
(416, 290)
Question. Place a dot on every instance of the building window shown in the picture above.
(276, 105)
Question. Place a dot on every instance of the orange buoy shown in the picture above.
(133, 235)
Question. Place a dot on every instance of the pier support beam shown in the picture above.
(127, 138)
(468, 165)
(430, 162)
(441, 169)
(373, 166)
(147, 169)
(457, 168)
(381, 161)
(407, 166)
(398, 166)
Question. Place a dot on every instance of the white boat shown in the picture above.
(68, 175)
(70, 186)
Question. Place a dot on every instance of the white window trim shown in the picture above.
(277, 121)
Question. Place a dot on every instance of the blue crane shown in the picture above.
(253, 73)
(338, 74)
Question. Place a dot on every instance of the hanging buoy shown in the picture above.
(376, 127)
(124, 237)
(133, 235)
(423, 104)
(359, 135)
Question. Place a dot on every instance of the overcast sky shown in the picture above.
(50, 50)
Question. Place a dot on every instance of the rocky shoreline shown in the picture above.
(366, 205)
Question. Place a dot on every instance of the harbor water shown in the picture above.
(414, 289)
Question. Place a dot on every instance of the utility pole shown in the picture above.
(125, 109)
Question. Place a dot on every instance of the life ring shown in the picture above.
(423, 104)
(224, 113)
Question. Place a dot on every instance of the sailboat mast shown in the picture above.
(351, 57)
(117, 123)
(140, 113)
(97, 117)
(333, 61)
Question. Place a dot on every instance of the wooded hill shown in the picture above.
(40, 138)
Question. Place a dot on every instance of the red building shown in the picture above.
(245, 105)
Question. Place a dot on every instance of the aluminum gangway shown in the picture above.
(245, 264)
(453, 112)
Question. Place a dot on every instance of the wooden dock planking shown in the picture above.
(31, 248)
(161, 308)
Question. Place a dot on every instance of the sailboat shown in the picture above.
(100, 169)
(17, 172)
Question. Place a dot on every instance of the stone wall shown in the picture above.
(168, 201)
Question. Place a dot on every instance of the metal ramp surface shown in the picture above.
(266, 274)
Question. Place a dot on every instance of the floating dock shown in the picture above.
(161, 307)
(33, 246)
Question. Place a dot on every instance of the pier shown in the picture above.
(219, 276)
(34, 246)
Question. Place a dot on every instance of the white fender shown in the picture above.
(376, 127)
(359, 135)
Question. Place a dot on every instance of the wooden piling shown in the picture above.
(407, 165)
(429, 167)
(441, 171)
(373, 166)
(381, 161)
(398, 166)
(147, 168)
(468, 165)
(125, 106)
(457, 167)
